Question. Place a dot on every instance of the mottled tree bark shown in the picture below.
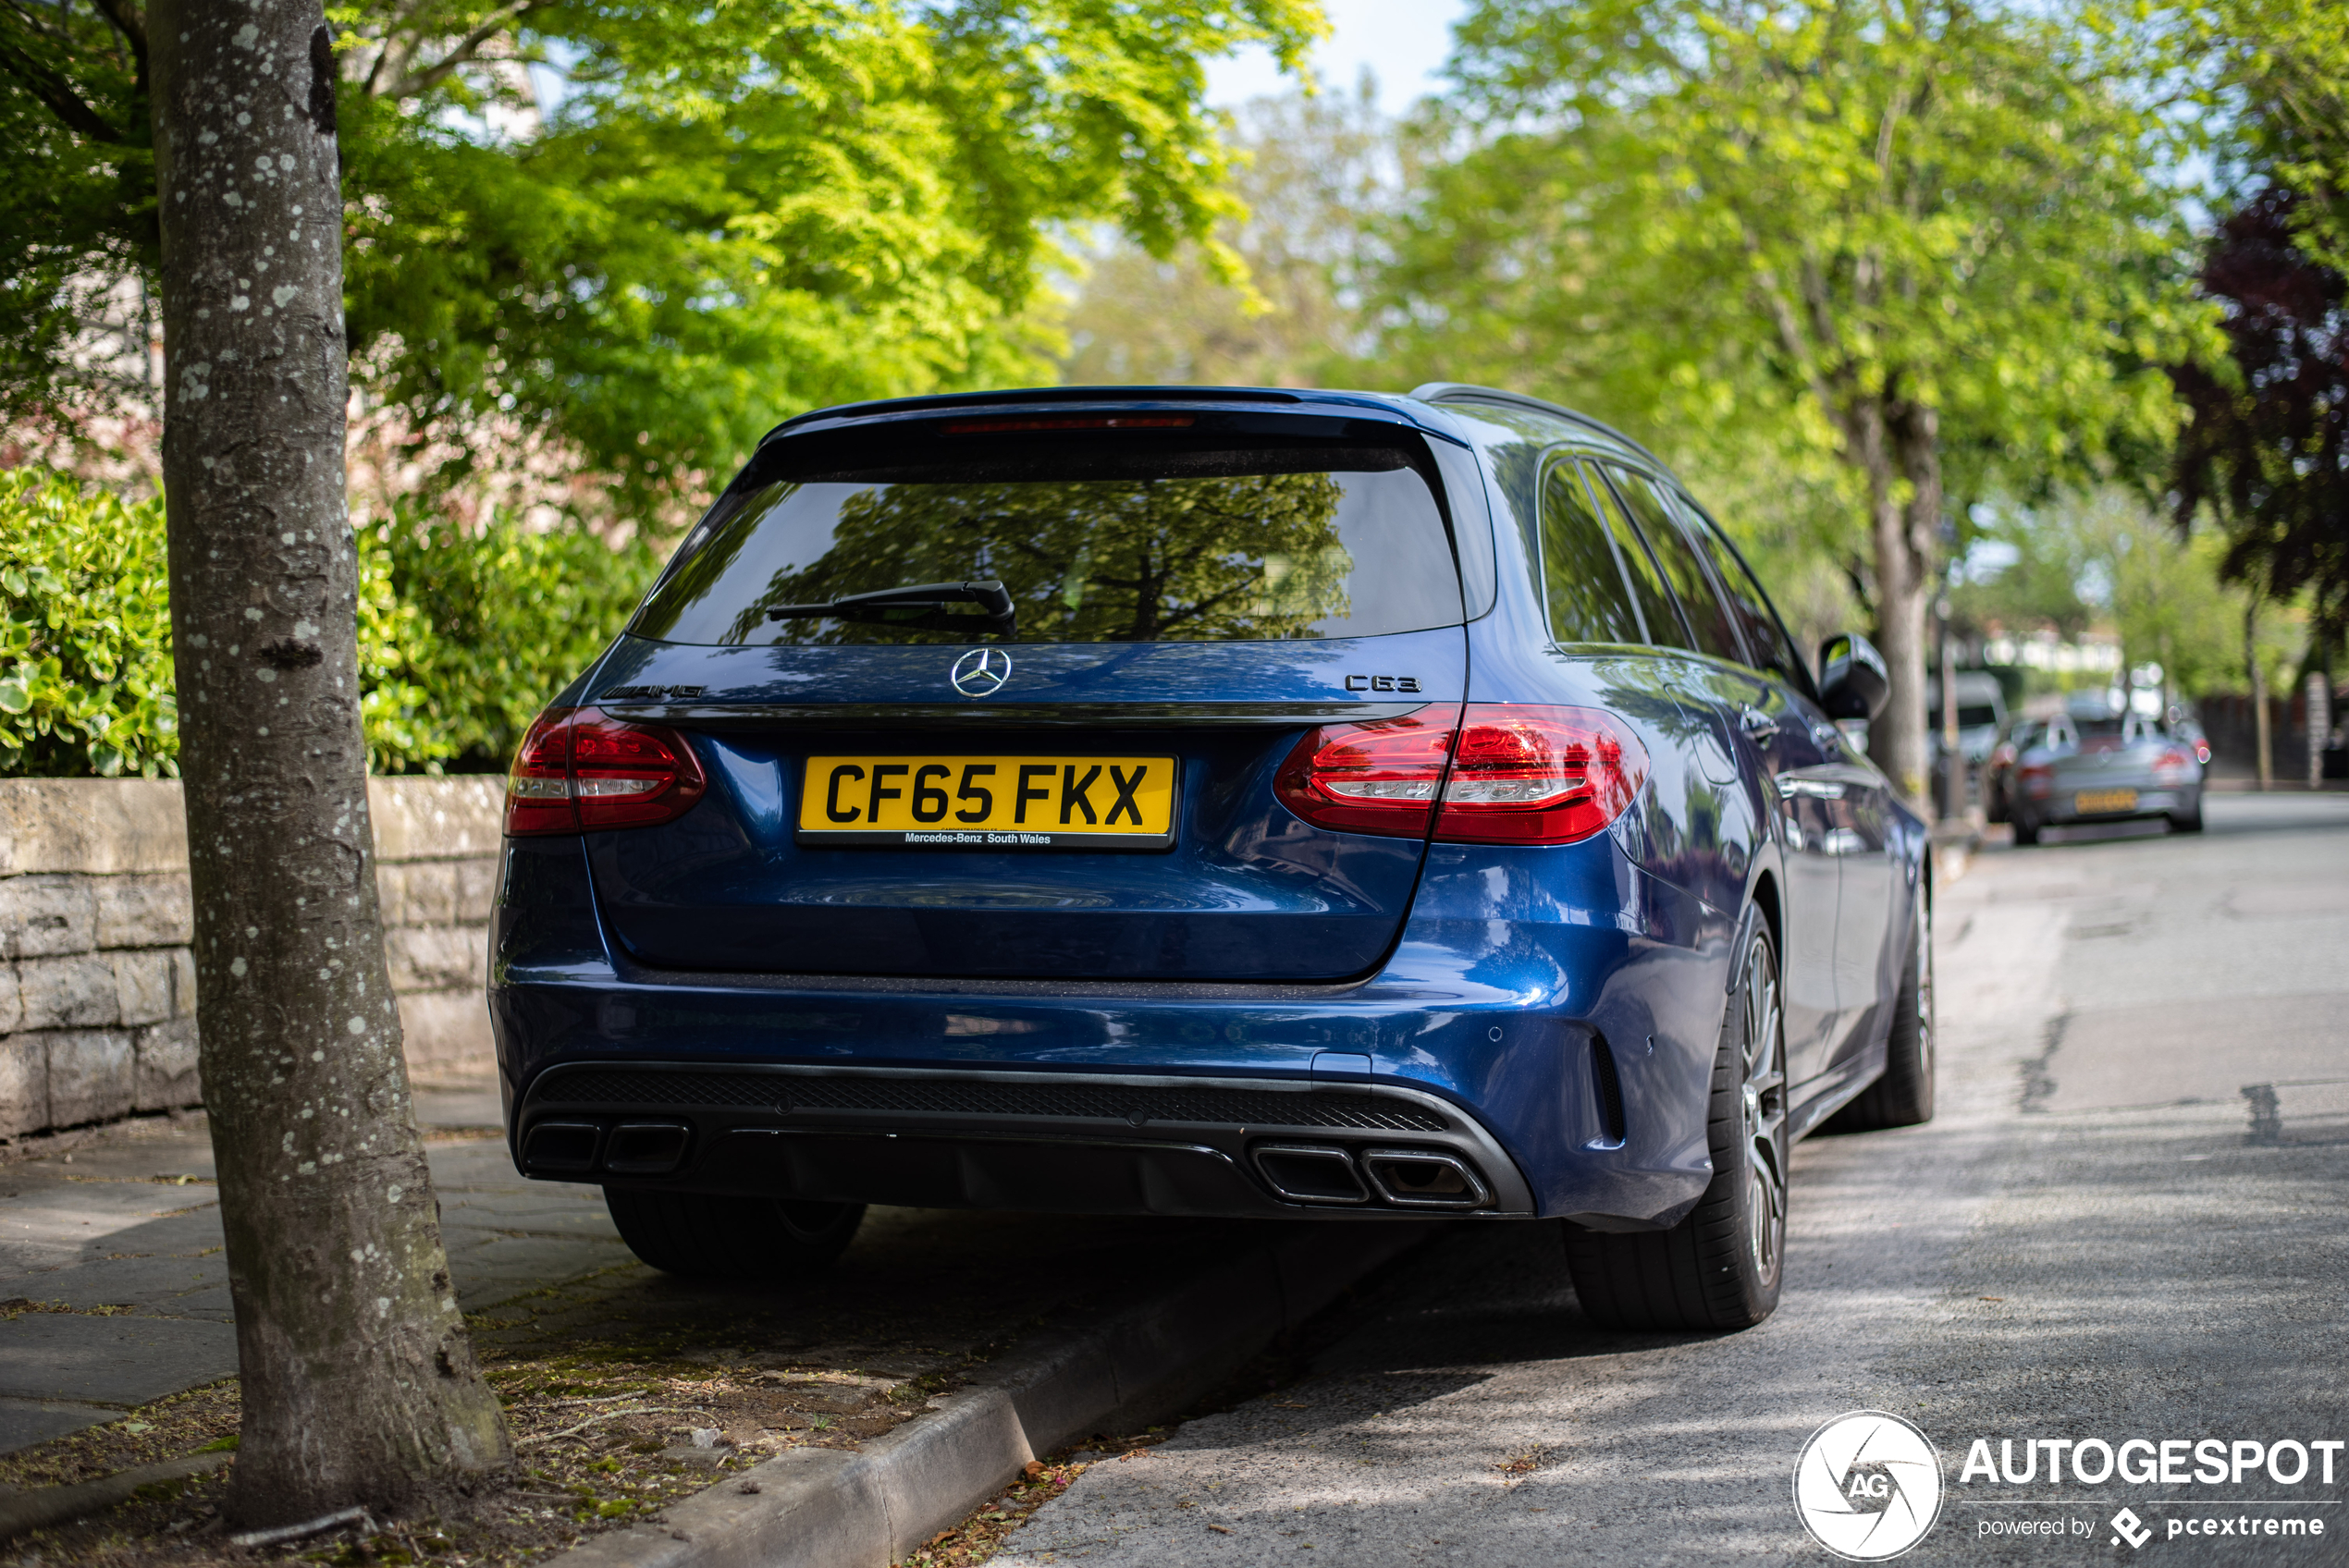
(1908, 540)
(359, 1385)
(1897, 447)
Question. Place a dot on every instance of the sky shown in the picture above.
(1403, 42)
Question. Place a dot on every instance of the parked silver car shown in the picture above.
(2079, 770)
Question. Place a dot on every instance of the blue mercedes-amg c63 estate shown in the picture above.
(1211, 801)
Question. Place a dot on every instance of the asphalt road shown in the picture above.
(2127, 1223)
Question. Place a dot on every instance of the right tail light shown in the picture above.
(578, 770)
(1506, 773)
(2174, 766)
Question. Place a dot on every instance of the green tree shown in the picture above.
(726, 215)
(1919, 237)
(1312, 173)
(2264, 448)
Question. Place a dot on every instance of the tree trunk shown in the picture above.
(2260, 736)
(1897, 446)
(358, 1382)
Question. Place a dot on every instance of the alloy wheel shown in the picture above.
(1763, 1113)
(1924, 992)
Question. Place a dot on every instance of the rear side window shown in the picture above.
(1664, 628)
(1093, 543)
(1715, 633)
(1582, 577)
(1744, 598)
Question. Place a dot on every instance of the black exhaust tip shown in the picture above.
(1305, 1173)
(562, 1148)
(1425, 1179)
(645, 1148)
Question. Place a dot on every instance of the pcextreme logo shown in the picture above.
(1868, 1485)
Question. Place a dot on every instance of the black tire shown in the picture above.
(705, 1237)
(1903, 1097)
(2026, 831)
(1721, 1267)
(2190, 823)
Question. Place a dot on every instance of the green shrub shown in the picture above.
(463, 636)
(85, 648)
(485, 628)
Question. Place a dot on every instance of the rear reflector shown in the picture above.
(578, 771)
(1509, 774)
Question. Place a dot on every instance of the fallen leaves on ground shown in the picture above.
(981, 1535)
(1521, 1464)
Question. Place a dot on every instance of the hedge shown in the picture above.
(462, 634)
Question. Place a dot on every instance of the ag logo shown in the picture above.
(1868, 1485)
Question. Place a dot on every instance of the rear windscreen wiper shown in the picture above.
(878, 607)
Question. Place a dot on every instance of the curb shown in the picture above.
(44, 1506)
(1955, 845)
(825, 1508)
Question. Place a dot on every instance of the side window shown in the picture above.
(1665, 628)
(1771, 648)
(1579, 573)
(1715, 633)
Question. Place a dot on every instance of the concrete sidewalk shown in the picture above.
(111, 1273)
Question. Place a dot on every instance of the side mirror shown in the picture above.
(1853, 682)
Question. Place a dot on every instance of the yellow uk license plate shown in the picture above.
(990, 802)
(2093, 802)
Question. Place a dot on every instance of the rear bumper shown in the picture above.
(1071, 1143)
(2061, 806)
(1563, 1059)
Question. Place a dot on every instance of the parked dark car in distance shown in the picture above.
(1212, 802)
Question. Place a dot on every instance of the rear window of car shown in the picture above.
(1094, 544)
(1974, 718)
(1581, 576)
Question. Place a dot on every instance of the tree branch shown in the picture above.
(408, 86)
(58, 97)
(128, 22)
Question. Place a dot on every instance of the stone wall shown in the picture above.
(97, 992)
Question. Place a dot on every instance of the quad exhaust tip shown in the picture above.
(631, 1149)
(1319, 1173)
(1308, 1173)
(1424, 1179)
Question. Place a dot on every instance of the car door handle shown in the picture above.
(1815, 788)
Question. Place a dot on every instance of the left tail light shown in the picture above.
(579, 771)
(2173, 766)
(1506, 773)
(2038, 778)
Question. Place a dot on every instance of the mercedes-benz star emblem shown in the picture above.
(981, 672)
